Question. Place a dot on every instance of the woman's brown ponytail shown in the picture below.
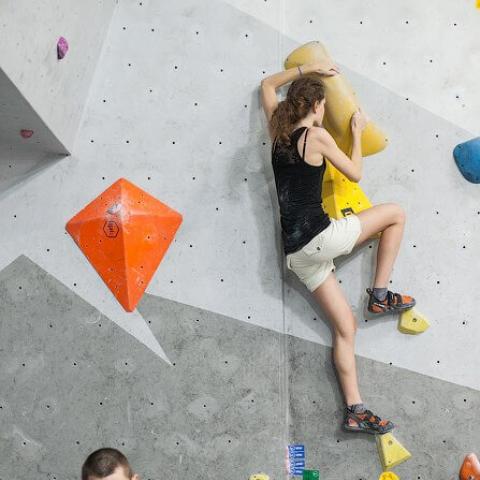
(301, 97)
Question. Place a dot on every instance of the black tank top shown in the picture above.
(299, 191)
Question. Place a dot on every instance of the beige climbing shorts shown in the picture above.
(313, 262)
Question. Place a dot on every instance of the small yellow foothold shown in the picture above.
(259, 476)
(388, 476)
(412, 322)
(391, 451)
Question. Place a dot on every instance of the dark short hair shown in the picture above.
(103, 462)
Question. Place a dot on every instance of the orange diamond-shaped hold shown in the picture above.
(124, 233)
(471, 468)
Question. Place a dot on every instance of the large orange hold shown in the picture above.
(124, 233)
(471, 468)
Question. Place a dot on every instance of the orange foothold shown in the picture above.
(124, 233)
(471, 468)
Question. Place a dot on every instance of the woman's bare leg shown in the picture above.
(335, 305)
(388, 218)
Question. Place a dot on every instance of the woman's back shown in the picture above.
(299, 191)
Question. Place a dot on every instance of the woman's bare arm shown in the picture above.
(269, 87)
(270, 84)
(321, 144)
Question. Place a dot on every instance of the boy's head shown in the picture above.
(107, 464)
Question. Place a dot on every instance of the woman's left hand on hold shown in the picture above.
(323, 68)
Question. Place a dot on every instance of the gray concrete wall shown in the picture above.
(72, 381)
(20, 157)
(174, 107)
(56, 89)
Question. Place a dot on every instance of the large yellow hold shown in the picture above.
(341, 103)
(341, 197)
(391, 451)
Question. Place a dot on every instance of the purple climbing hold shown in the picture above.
(62, 47)
(26, 133)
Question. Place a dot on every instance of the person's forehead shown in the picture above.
(118, 474)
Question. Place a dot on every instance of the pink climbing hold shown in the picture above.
(62, 47)
(26, 133)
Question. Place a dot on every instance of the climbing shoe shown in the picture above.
(392, 302)
(366, 422)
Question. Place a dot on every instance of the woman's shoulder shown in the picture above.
(320, 134)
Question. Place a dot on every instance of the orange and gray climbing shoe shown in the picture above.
(366, 422)
(392, 302)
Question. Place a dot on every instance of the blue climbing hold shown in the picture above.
(467, 158)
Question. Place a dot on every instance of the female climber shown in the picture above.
(312, 240)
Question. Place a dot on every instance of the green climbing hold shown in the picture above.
(311, 475)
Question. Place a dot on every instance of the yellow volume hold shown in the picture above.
(391, 451)
(340, 196)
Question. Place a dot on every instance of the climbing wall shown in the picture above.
(226, 358)
(43, 96)
(23, 151)
(56, 89)
(215, 409)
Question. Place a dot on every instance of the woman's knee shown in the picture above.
(397, 213)
(347, 330)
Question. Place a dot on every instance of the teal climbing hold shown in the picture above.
(467, 158)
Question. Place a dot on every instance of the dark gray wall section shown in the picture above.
(72, 381)
(437, 421)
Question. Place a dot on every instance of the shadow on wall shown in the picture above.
(27, 145)
(253, 164)
(18, 167)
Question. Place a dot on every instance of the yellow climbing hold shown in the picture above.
(341, 102)
(259, 476)
(341, 197)
(412, 322)
(388, 476)
(391, 451)
(478, 3)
